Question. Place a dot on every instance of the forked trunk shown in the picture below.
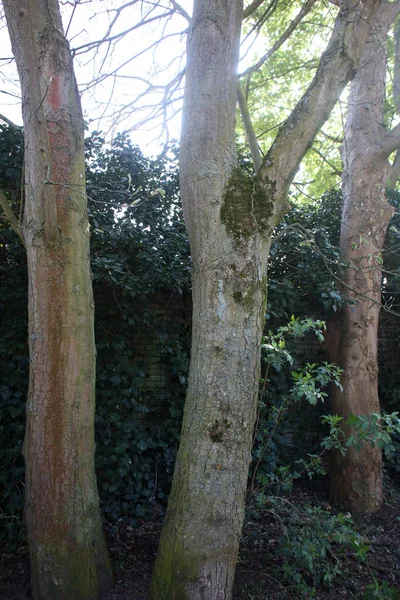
(230, 218)
(357, 476)
(69, 560)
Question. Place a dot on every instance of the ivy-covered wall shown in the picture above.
(141, 280)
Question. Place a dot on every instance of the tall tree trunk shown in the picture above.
(68, 555)
(230, 218)
(357, 476)
(198, 550)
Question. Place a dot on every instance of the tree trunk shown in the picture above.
(357, 477)
(200, 540)
(68, 555)
(230, 218)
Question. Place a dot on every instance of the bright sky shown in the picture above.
(133, 69)
(123, 82)
(131, 65)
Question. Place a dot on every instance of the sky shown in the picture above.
(122, 83)
(111, 76)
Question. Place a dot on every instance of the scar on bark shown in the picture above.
(218, 430)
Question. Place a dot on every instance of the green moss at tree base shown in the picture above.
(174, 571)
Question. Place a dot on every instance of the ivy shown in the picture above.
(138, 246)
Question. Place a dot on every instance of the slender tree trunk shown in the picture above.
(68, 555)
(357, 477)
(230, 218)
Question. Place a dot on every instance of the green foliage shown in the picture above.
(377, 429)
(275, 88)
(309, 382)
(139, 246)
(139, 242)
(305, 261)
(282, 388)
(14, 364)
(314, 546)
(381, 591)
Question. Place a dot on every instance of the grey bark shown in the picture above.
(230, 218)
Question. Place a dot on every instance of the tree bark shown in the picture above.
(230, 218)
(357, 476)
(68, 555)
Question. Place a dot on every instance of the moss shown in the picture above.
(174, 571)
(264, 284)
(246, 207)
(246, 298)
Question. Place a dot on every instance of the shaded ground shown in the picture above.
(133, 553)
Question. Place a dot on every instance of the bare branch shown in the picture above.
(154, 110)
(10, 123)
(114, 72)
(178, 8)
(391, 142)
(121, 34)
(260, 22)
(10, 94)
(10, 216)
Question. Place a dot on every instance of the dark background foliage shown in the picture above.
(139, 248)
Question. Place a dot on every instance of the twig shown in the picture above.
(11, 218)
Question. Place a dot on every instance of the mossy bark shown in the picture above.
(69, 559)
(357, 476)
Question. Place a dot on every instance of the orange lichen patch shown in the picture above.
(54, 92)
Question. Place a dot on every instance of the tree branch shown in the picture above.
(249, 10)
(331, 165)
(292, 26)
(178, 8)
(392, 10)
(391, 142)
(90, 45)
(336, 68)
(394, 173)
(12, 125)
(10, 216)
(248, 126)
